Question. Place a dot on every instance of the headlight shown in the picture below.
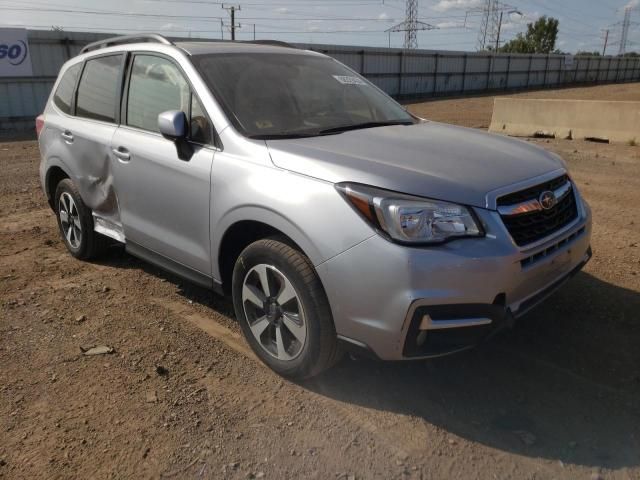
(409, 219)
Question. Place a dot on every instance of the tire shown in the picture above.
(83, 242)
(308, 309)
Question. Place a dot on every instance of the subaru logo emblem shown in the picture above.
(547, 200)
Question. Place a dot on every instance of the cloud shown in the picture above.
(450, 25)
(314, 25)
(282, 10)
(445, 5)
(383, 16)
(517, 22)
(632, 4)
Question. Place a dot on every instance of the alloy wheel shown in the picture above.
(70, 220)
(274, 312)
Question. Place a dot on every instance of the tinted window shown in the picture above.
(98, 89)
(64, 92)
(200, 127)
(156, 86)
(273, 94)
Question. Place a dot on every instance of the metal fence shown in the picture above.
(425, 73)
(403, 74)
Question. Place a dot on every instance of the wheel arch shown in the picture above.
(242, 232)
(54, 175)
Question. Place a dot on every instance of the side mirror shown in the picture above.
(173, 124)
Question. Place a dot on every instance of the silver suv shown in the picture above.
(334, 218)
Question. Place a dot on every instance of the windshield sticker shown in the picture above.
(263, 124)
(347, 80)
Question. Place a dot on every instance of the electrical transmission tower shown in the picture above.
(625, 31)
(411, 25)
(624, 41)
(491, 22)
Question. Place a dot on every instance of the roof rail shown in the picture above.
(121, 40)
(275, 43)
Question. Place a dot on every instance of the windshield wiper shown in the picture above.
(358, 126)
(328, 131)
(278, 136)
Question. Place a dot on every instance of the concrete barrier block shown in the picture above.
(577, 119)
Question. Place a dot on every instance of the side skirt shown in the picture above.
(176, 268)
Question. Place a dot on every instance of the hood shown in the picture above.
(429, 159)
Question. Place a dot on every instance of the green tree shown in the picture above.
(540, 37)
(587, 54)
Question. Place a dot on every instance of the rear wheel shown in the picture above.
(283, 310)
(76, 223)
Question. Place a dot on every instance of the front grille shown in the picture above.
(531, 227)
(532, 192)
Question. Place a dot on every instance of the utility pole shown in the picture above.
(232, 12)
(498, 35)
(606, 40)
(410, 26)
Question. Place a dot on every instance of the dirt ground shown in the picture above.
(558, 397)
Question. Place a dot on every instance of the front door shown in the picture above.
(164, 200)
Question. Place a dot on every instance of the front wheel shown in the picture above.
(283, 310)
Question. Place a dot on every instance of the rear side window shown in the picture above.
(64, 93)
(156, 85)
(98, 89)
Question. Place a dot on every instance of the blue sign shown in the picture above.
(16, 53)
(15, 60)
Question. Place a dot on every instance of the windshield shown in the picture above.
(272, 95)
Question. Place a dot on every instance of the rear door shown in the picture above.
(89, 132)
(164, 200)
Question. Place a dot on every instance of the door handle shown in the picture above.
(67, 135)
(122, 153)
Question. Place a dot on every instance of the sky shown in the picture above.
(342, 22)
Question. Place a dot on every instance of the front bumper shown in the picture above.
(384, 295)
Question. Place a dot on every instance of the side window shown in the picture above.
(201, 130)
(64, 93)
(98, 89)
(156, 85)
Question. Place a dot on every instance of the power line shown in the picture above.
(275, 4)
(569, 17)
(90, 12)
